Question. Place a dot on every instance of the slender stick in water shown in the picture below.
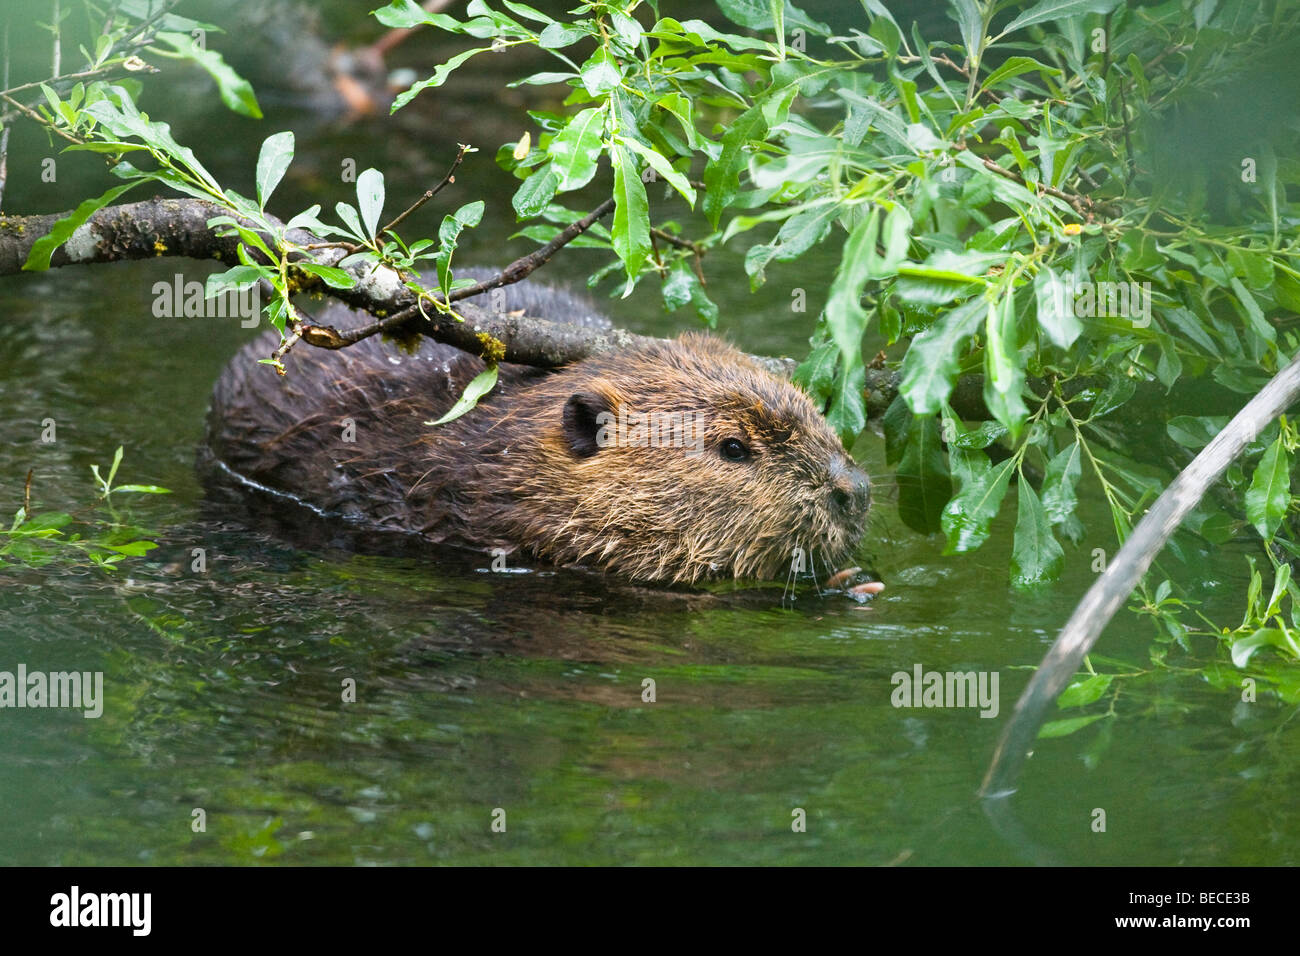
(1125, 571)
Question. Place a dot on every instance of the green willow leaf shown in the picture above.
(38, 260)
(1269, 494)
(1250, 308)
(132, 548)
(332, 277)
(1004, 373)
(1119, 391)
(1063, 471)
(527, 12)
(895, 236)
(661, 166)
(882, 118)
(1058, 10)
(535, 193)
(123, 119)
(1138, 251)
(307, 219)
(1055, 307)
(847, 414)
(967, 15)
(631, 232)
(440, 74)
(1063, 728)
(1086, 691)
(1280, 582)
(845, 316)
(884, 28)
(924, 483)
(628, 30)
(236, 92)
(238, 277)
(601, 73)
(349, 217)
(683, 287)
(681, 107)
(1036, 555)
(544, 78)
(370, 199)
(981, 436)
(816, 374)
(466, 217)
(480, 385)
(557, 36)
(45, 523)
(931, 363)
(272, 161)
(1244, 648)
(575, 151)
(967, 516)
(759, 15)
(402, 14)
(722, 175)
(1195, 432)
(796, 236)
(1014, 66)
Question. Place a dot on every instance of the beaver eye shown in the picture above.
(733, 449)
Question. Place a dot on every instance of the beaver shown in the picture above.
(671, 462)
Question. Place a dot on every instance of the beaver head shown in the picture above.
(674, 461)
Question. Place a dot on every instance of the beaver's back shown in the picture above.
(331, 432)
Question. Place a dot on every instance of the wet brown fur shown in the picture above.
(509, 475)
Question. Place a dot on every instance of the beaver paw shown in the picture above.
(861, 592)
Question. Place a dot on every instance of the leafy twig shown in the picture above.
(328, 337)
(1084, 205)
(35, 116)
(430, 193)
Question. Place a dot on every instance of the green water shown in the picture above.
(523, 692)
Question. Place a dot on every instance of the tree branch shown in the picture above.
(179, 227)
(1085, 206)
(429, 193)
(155, 228)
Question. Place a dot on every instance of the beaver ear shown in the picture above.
(581, 422)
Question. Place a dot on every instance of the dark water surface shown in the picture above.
(523, 691)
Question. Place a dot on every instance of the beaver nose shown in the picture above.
(851, 488)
